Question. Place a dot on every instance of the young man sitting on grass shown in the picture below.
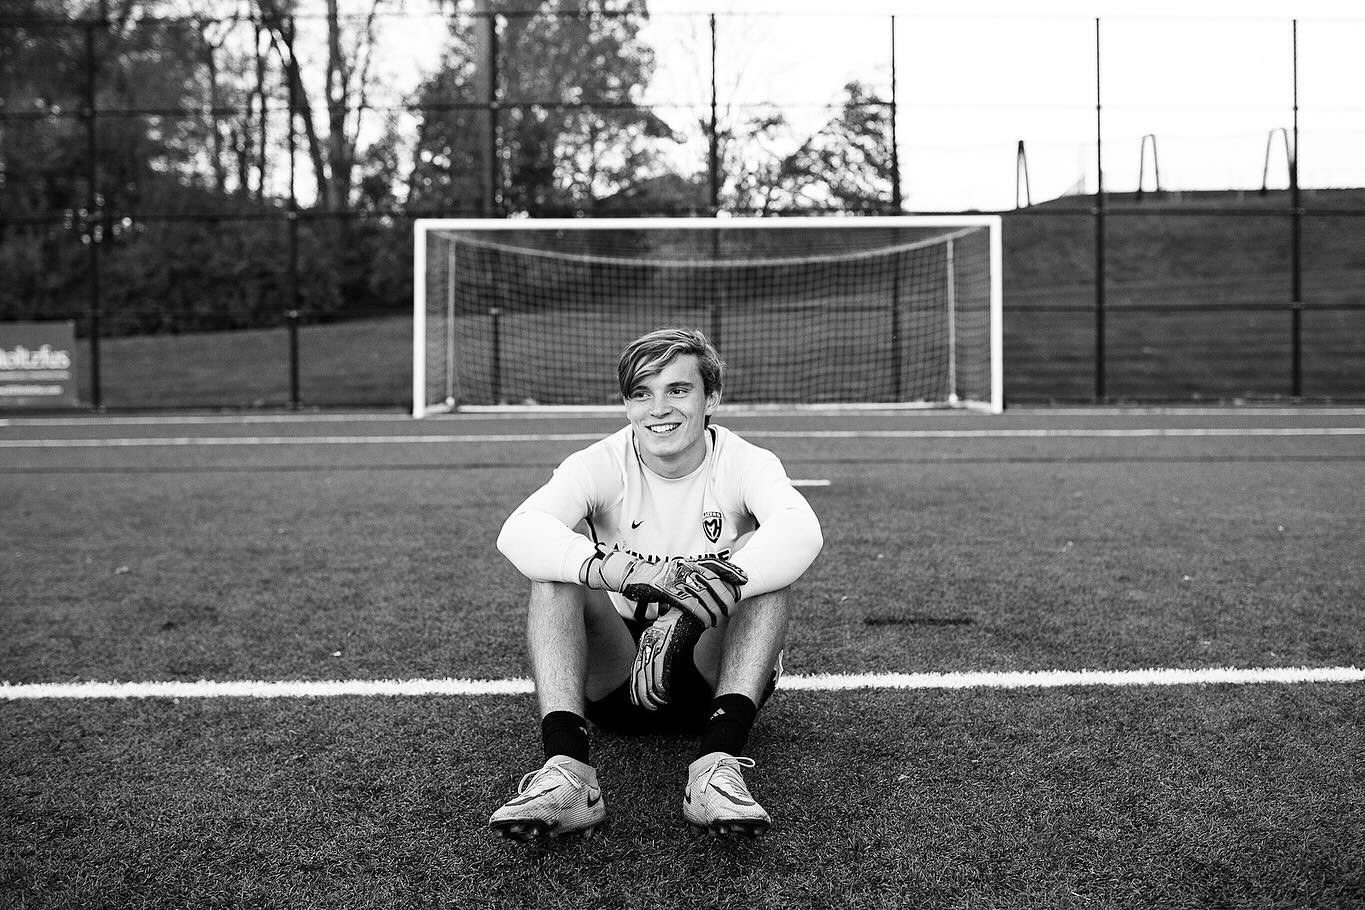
(660, 559)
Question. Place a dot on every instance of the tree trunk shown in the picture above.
(337, 95)
(304, 110)
(262, 106)
(216, 137)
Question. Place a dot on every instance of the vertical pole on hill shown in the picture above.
(1099, 227)
(93, 226)
(1021, 176)
(1296, 237)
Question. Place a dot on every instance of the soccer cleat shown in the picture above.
(560, 798)
(665, 648)
(717, 799)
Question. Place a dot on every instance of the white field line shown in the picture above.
(451, 439)
(1044, 679)
(162, 420)
(593, 412)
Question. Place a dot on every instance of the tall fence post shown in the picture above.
(486, 89)
(896, 200)
(1296, 238)
(292, 278)
(1099, 228)
(713, 150)
(897, 203)
(713, 196)
(93, 226)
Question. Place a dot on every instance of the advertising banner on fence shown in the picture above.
(37, 364)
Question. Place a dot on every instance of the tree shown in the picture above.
(845, 165)
(239, 82)
(41, 75)
(346, 83)
(142, 160)
(571, 133)
(750, 165)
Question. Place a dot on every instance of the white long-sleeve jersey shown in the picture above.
(739, 504)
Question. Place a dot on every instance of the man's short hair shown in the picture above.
(651, 352)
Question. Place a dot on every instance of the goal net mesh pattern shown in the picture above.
(800, 315)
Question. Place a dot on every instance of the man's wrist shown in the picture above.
(606, 570)
(585, 569)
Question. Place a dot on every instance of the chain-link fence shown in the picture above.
(220, 194)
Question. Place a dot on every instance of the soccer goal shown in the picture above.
(877, 311)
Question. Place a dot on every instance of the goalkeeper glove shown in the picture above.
(665, 648)
(707, 588)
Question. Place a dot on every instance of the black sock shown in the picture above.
(727, 730)
(565, 733)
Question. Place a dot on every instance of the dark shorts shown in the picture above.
(686, 714)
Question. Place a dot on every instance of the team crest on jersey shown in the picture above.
(710, 523)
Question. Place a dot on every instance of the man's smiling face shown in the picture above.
(668, 411)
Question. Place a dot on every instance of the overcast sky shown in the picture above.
(1210, 82)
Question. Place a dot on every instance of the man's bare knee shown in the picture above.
(584, 619)
(746, 644)
(772, 609)
(593, 606)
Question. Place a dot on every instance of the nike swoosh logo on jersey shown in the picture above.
(636, 524)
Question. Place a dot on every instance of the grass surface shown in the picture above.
(1119, 564)
(363, 362)
(1212, 797)
(996, 553)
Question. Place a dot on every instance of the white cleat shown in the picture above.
(562, 797)
(718, 800)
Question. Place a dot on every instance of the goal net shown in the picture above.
(812, 311)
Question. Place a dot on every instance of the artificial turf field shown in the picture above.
(292, 550)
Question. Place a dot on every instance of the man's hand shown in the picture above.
(712, 587)
(707, 588)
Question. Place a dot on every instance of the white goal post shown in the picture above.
(834, 311)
